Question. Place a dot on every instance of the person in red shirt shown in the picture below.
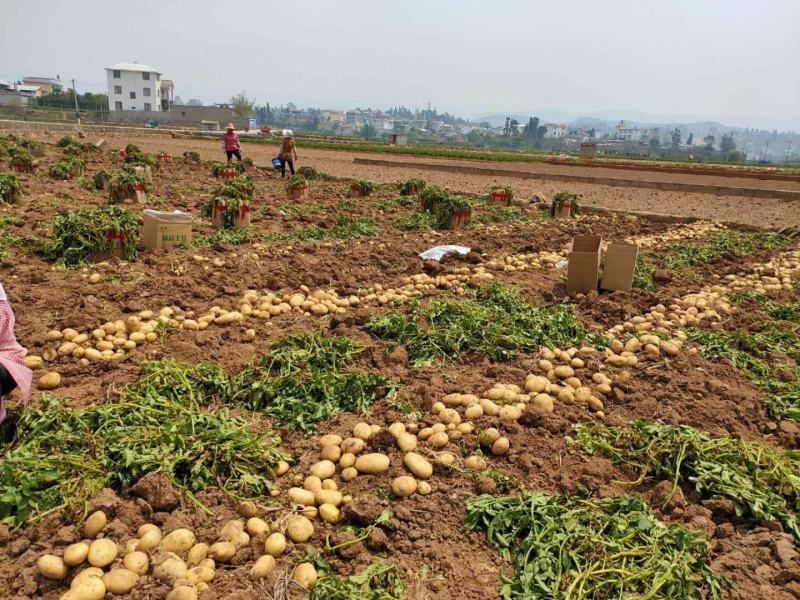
(13, 372)
(230, 143)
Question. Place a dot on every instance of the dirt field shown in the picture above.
(336, 263)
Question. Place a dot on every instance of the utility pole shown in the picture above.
(765, 151)
(788, 149)
(75, 96)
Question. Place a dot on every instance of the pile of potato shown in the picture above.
(523, 262)
(775, 275)
(177, 558)
(690, 231)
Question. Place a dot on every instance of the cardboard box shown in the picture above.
(165, 229)
(619, 267)
(584, 264)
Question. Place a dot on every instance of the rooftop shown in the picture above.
(133, 66)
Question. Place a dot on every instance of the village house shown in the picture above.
(554, 131)
(133, 86)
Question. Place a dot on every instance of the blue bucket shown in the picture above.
(276, 162)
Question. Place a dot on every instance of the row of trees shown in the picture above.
(727, 145)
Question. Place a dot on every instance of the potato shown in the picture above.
(418, 465)
(465, 428)
(247, 509)
(222, 551)
(353, 445)
(169, 566)
(86, 573)
(229, 317)
(178, 541)
(475, 463)
(328, 497)
(197, 554)
(120, 581)
(52, 567)
(372, 464)
(347, 460)
(183, 592)
(324, 469)
(263, 566)
(473, 412)
(331, 453)
(88, 588)
(595, 403)
(349, 474)
(424, 488)
(281, 468)
(151, 539)
(299, 528)
(362, 431)
(301, 496)
(256, 526)
(138, 562)
(231, 530)
(75, 554)
(329, 513)
(275, 544)
(407, 442)
(440, 439)
(489, 408)
(543, 402)
(243, 539)
(330, 440)
(305, 575)
(500, 446)
(34, 362)
(49, 381)
(563, 371)
(397, 428)
(404, 486)
(102, 552)
(197, 575)
(329, 484)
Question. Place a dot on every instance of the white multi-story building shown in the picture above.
(133, 86)
(554, 130)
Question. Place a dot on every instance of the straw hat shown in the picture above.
(229, 126)
(288, 133)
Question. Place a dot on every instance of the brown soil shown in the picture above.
(425, 538)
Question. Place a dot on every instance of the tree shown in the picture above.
(513, 127)
(368, 131)
(474, 137)
(727, 145)
(242, 105)
(194, 102)
(178, 101)
(690, 139)
(654, 143)
(593, 133)
(709, 142)
(676, 137)
(507, 127)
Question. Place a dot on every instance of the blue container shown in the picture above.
(276, 162)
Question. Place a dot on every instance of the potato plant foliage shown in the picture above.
(565, 547)
(764, 484)
(301, 381)
(57, 456)
(492, 321)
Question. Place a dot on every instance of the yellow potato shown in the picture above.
(324, 469)
(475, 463)
(372, 464)
(168, 567)
(102, 552)
(328, 497)
(424, 488)
(138, 562)
(500, 446)
(299, 528)
(247, 509)
(178, 541)
(329, 513)
(301, 496)
(151, 539)
(198, 574)
(52, 567)
(88, 572)
(257, 526)
(418, 465)
(330, 440)
(88, 588)
(305, 574)
(404, 486)
(222, 551)
(275, 544)
(347, 460)
(362, 431)
(407, 442)
(120, 581)
(75, 554)
(183, 592)
(263, 566)
(197, 554)
(49, 381)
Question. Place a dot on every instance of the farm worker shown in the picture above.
(230, 142)
(286, 151)
(13, 372)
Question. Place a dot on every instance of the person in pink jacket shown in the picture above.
(230, 142)
(13, 372)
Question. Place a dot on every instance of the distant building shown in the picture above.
(46, 85)
(133, 86)
(167, 94)
(553, 131)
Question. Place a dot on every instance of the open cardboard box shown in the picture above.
(165, 229)
(584, 265)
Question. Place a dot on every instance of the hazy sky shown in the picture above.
(735, 61)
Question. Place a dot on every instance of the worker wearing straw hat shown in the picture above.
(230, 143)
(287, 151)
